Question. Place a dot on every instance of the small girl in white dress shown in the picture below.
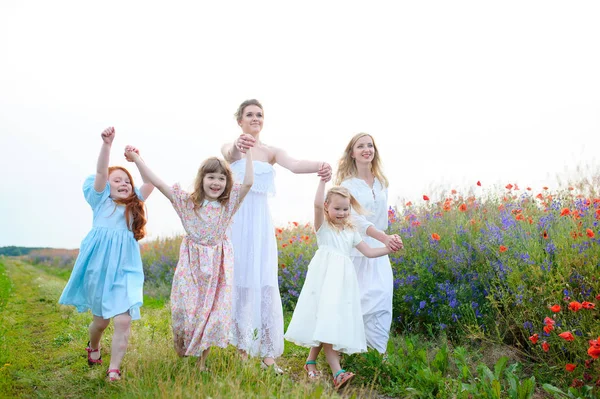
(328, 312)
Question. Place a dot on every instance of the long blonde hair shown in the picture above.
(212, 165)
(344, 193)
(347, 164)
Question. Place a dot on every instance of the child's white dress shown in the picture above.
(328, 309)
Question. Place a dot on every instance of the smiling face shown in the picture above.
(363, 150)
(213, 185)
(338, 209)
(120, 184)
(251, 120)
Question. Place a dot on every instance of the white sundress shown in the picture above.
(257, 310)
(328, 309)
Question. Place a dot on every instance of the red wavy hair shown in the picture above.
(134, 208)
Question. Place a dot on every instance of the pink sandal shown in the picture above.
(342, 378)
(93, 362)
(113, 378)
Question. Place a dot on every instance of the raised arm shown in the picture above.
(146, 188)
(319, 204)
(149, 176)
(108, 135)
(369, 252)
(248, 175)
(233, 151)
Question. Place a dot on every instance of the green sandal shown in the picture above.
(312, 374)
(342, 378)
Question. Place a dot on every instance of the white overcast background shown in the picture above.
(452, 91)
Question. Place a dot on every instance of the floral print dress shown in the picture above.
(201, 298)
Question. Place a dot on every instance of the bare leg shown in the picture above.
(333, 358)
(122, 325)
(312, 356)
(202, 364)
(243, 354)
(96, 328)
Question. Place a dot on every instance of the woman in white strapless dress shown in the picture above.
(257, 310)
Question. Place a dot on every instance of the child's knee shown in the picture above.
(122, 324)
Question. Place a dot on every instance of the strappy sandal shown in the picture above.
(93, 362)
(342, 378)
(312, 374)
(276, 369)
(113, 378)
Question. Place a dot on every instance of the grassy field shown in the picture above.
(43, 356)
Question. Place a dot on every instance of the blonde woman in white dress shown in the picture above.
(257, 309)
(359, 170)
(328, 312)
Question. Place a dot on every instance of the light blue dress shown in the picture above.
(108, 277)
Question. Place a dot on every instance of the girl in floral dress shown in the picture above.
(201, 294)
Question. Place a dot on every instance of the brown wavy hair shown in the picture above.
(345, 193)
(347, 165)
(212, 165)
(240, 111)
(134, 208)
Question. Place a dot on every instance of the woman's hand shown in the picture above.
(324, 172)
(108, 135)
(244, 142)
(394, 243)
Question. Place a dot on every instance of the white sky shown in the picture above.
(452, 91)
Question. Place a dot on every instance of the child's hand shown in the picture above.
(131, 153)
(324, 172)
(108, 135)
(244, 142)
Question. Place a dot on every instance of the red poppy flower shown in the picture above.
(408, 203)
(548, 321)
(545, 188)
(435, 236)
(575, 306)
(426, 198)
(534, 338)
(545, 346)
(453, 191)
(416, 223)
(567, 336)
(570, 367)
(539, 196)
(528, 188)
(590, 233)
(295, 224)
(565, 212)
(462, 207)
(588, 305)
(283, 245)
(520, 217)
(478, 183)
(555, 308)
(283, 265)
(598, 297)
(594, 352)
(548, 328)
(503, 248)
(545, 235)
(509, 186)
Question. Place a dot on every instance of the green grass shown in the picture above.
(43, 356)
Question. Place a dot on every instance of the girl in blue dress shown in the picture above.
(107, 277)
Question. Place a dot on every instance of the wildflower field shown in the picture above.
(514, 272)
